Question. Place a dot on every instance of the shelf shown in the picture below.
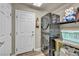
(70, 44)
(67, 22)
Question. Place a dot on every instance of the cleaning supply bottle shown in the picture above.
(77, 14)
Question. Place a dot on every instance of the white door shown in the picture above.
(25, 31)
(5, 29)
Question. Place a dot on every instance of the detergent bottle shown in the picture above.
(77, 14)
(70, 15)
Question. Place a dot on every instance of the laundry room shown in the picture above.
(39, 29)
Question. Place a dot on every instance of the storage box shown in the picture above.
(71, 35)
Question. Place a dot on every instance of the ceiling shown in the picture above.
(46, 6)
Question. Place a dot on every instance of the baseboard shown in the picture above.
(13, 55)
(38, 49)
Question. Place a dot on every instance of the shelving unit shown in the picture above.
(66, 43)
(50, 42)
(71, 44)
(61, 23)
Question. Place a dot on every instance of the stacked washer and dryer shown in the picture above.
(50, 30)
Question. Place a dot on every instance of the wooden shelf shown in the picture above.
(67, 22)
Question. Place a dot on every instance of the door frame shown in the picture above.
(15, 31)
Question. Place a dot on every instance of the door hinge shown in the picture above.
(10, 34)
(16, 16)
(16, 49)
(33, 49)
(10, 14)
(10, 54)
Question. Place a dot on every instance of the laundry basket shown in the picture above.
(71, 35)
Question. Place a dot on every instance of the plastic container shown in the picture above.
(71, 35)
